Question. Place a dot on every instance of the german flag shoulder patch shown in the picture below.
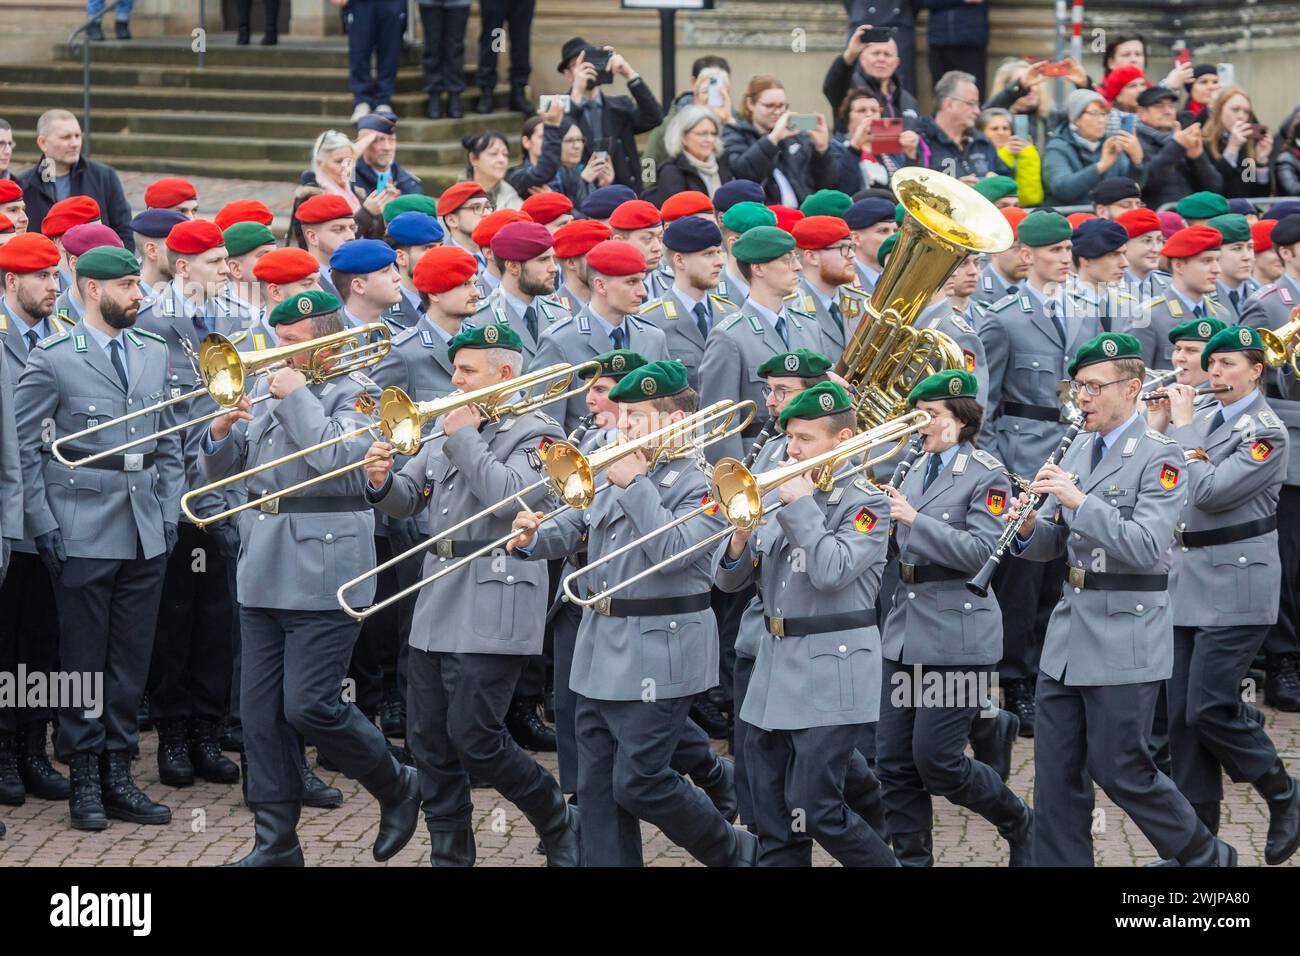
(865, 520)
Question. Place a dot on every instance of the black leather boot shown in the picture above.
(12, 791)
(451, 848)
(524, 721)
(275, 836)
(1206, 850)
(1283, 795)
(123, 800)
(392, 717)
(174, 767)
(1208, 813)
(122, 29)
(556, 822)
(720, 787)
(484, 104)
(39, 776)
(230, 741)
(992, 740)
(455, 108)
(206, 756)
(914, 849)
(272, 35)
(519, 101)
(433, 106)
(397, 789)
(1282, 683)
(1018, 697)
(316, 792)
(86, 801)
(710, 717)
(1020, 836)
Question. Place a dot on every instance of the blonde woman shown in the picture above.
(1018, 154)
(1238, 145)
(334, 157)
(1021, 91)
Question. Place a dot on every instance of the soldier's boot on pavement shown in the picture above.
(275, 836)
(991, 740)
(39, 776)
(864, 795)
(1205, 849)
(206, 756)
(720, 787)
(1282, 793)
(1208, 813)
(392, 717)
(174, 767)
(556, 822)
(524, 721)
(914, 849)
(706, 712)
(397, 788)
(86, 800)
(12, 791)
(1018, 697)
(451, 848)
(1018, 832)
(316, 793)
(123, 800)
(1282, 683)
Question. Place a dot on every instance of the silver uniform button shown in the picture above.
(966, 606)
(1078, 591)
(1139, 607)
(1242, 559)
(510, 579)
(90, 408)
(843, 648)
(672, 625)
(911, 595)
(329, 536)
(945, 516)
(261, 517)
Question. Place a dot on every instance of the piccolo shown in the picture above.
(1158, 393)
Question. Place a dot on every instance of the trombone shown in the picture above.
(401, 422)
(1280, 345)
(739, 495)
(570, 476)
(225, 372)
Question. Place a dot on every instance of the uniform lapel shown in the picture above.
(1115, 454)
(944, 479)
(96, 357)
(1041, 321)
(769, 336)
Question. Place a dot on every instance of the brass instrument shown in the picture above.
(886, 356)
(1281, 345)
(571, 477)
(225, 373)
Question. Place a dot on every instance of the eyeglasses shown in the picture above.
(773, 107)
(972, 104)
(1093, 388)
(477, 207)
(1094, 113)
(780, 393)
(844, 249)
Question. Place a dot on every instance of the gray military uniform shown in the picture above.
(670, 314)
(993, 288)
(1156, 318)
(403, 314)
(958, 327)
(1269, 308)
(1114, 307)
(1222, 297)
(497, 307)
(850, 308)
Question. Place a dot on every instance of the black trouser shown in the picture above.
(740, 732)
(564, 629)
(968, 59)
(378, 665)
(375, 29)
(236, 725)
(1027, 592)
(1284, 636)
(444, 48)
(728, 606)
(294, 663)
(517, 16)
(107, 613)
(29, 632)
(456, 728)
(193, 652)
(244, 13)
(1208, 728)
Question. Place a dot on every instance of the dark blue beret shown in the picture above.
(691, 234)
(603, 201)
(867, 212)
(384, 122)
(362, 256)
(1242, 206)
(414, 229)
(1287, 231)
(737, 190)
(1281, 210)
(1094, 238)
(156, 223)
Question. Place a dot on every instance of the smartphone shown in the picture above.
(1183, 56)
(600, 148)
(884, 135)
(547, 99)
(715, 92)
(599, 58)
(1127, 122)
(804, 122)
(1020, 126)
(1227, 73)
(381, 180)
(1054, 68)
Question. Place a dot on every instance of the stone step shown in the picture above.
(221, 51)
(143, 76)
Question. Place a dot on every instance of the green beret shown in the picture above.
(886, 247)
(617, 363)
(826, 202)
(994, 188)
(744, 216)
(762, 244)
(490, 336)
(244, 237)
(1106, 347)
(417, 202)
(953, 383)
(1202, 205)
(824, 398)
(107, 262)
(652, 380)
(1235, 338)
(303, 305)
(1043, 228)
(1196, 330)
(801, 363)
(1232, 226)
(899, 213)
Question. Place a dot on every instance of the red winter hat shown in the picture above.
(818, 232)
(166, 193)
(10, 191)
(1262, 234)
(613, 257)
(456, 196)
(686, 203)
(493, 222)
(547, 207)
(1015, 216)
(281, 266)
(634, 214)
(443, 268)
(247, 210)
(1117, 79)
(66, 213)
(323, 208)
(520, 241)
(1138, 222)
(785, 216)
(194, 236)
(87, 236)
(1191, 241)
(577, 238)
(28, 252)
(1075, 218)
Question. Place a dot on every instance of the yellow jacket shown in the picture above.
(1028, 168)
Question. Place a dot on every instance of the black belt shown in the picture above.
(926, 573)
(1095, 581)
(1042, 413)
(457, 548)
(1233, 532)
(820, 623)
(651, 607)
(309, 504)
(112, 462)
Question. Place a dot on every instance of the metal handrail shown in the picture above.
(85, 72)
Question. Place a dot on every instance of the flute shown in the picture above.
(1158, 393)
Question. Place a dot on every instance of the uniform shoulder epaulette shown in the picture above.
(547, 418)
(733, 320)
(987, 460)
(1125, 295)
(1003, 302)
(564, 322)
(362, 379)
(1268, 419)
(637, 320)
(50, 341)
(1153, 302)
(721, 298)
(959, 320)
(482, 304)
(864, 484)
(652, 304)
(981, 310)
(1160, 437)
(151, 335)
(406, 334)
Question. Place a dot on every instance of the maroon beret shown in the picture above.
(88, 236)
(520, 241)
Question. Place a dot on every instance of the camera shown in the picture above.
(599, 58)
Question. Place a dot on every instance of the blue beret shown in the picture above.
(603, 201)
(385, 122)
(156, 223)
(1095, 238)
(737, 190)
(362, 256)
(867, 212)
(1242, 206)
(414, 229)
(691, 234)
(1281, 210)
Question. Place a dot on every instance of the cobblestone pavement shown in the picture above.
(215, 193)
(211, 826)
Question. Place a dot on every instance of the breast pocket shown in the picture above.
(1248, 572)
(664, 651)
(1036, 374)
(949, 512)
(1127, 636)
(72, 495)
(963, 620)
(500, 593)
(833, 658)
(329, 550)
(1123, 500)
(87, 411)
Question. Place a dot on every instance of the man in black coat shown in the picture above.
(872, 61)
(1176, 160)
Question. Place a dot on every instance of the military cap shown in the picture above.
(547, 207)
(1261, 232)
(951, 383)
(156, 223)
(1235, 338)
(414, 229)
(1191, 241)
(1154, 94)
(323, 208)
(66, 213)
(453, 197)
(10, 191)
(1287, 231)
(735, 191)
(244, 210)
(521, 241)
(824, 398)
(1115, 189)
(826, 202)
(692, 234)
(28, 252)
(244, 237)
(1107, 347)
(1097, 237)
(362, 256)
(443, 268)
(493, 223)
(1170, 222)
(818, 232)
(744, 216)
(81, 239)
(688, 202)
(994, 188)
(1233, 227)
(411, 202)
(600, 203)
(1014, 216)
(490, 336)
(105, 262)
(381, 120)
(303, 305)
(614, 257)
(1196, 330)
(652, 380)
(165, 193)
(786, 216)
(194, 237)
(635, 214)
(1201, 205)
(577, 238)
(801, 363)
(1278, 211)
(1043, 228)
(281, 266)
(886, 247)
(1242, 206)
(1138, 222)
(867, 212)
(615, 364)
(762, 244)
(1076, 219)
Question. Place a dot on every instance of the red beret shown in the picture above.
(28, 252)
(194, 236)
(1075, 218)
(1262, 234)
(1013, 215)
(66, 213)
(323, 208)
(281, 266)
(87, 236)
(493, 222)
(443, 268)
(818, 232)
(686, 203)
(520, 241)
(614, 257)
(456, 196)
(634, 214)
(6, 224)
(1191, 241)
(577, 238)
(10, 191)
(547, 207)
(166, 193)
(1138, 222)
(246, 210)
(785, 216)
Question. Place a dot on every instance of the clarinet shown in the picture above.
(761, 439)
(578, 434)
(979, 584)
(914, 450)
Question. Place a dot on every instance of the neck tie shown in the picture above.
(1217, 420)
(1105, 312)
(32, 339)
(702, 318)
(1199, 311)
(1013, 289)
(780, 329)
(1235, 298)
(839, 320)
(618, 337)
(115, 356)
(530, 322)
(1055, 315)
(1098, 451)
(931, 471)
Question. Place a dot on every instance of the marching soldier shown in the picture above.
(826, 256)
(327, 222)
(64, 215)
(473, 630)
(1114, 196)
(947, 518)
(572, 243)
(174, 195)
(365, 275)
(151, 228)
(246, 243)
(1236, 262)
(1268, 263)
(1142, 253)
(553, 210)
(484, 233)
(296, 552)
(1199, 208)
(1193, 255)
(1109, 644)
(103, 530)
(12, 786)
(872, 220)
(1096, 287)
(1005, 271)
(411, 234)
(522, 300)
(12, 205)
(640, 223)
